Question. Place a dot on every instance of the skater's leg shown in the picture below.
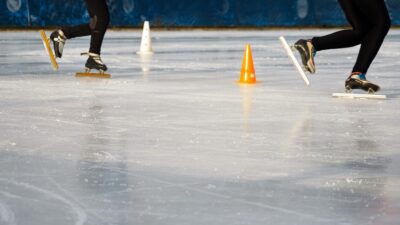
(341, 39)
(100, 19)
(77, 31)
(346, 38)
(59, 37)
(379, 20)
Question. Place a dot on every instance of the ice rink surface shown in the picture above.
(173, 140)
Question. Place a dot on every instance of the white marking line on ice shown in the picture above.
(81, 215)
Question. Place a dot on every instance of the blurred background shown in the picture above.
(182, 13)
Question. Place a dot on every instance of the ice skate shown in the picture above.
(94, 62)
(49, 51)
(358, 81)
(307, 53)
(289, 52)
(58, 38)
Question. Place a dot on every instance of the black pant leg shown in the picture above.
(376, 13)
(77, 31)
(345, 38)
(100, 19)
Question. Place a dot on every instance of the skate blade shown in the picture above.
(294, 60)
(93, 75)
(49, 50)
(359, 96)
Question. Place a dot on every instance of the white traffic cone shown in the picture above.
(145, 46)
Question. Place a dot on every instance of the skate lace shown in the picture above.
(95, 57)
(61, 37)
(59, 40)
(98, 59)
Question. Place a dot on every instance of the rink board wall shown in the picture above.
(186, 13)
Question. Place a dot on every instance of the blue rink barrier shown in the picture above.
(176, 13)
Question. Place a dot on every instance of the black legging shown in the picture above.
(370, 21)
(99, 20)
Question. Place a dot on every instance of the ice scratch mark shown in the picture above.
(78, 211)
(261, 205)
(9, 195)
(108, 155)
(243, 201)
(6, 215)
(71, 196)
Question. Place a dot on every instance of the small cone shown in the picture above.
(145, 46)
(248, 74)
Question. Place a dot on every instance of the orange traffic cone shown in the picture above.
(248, 74)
